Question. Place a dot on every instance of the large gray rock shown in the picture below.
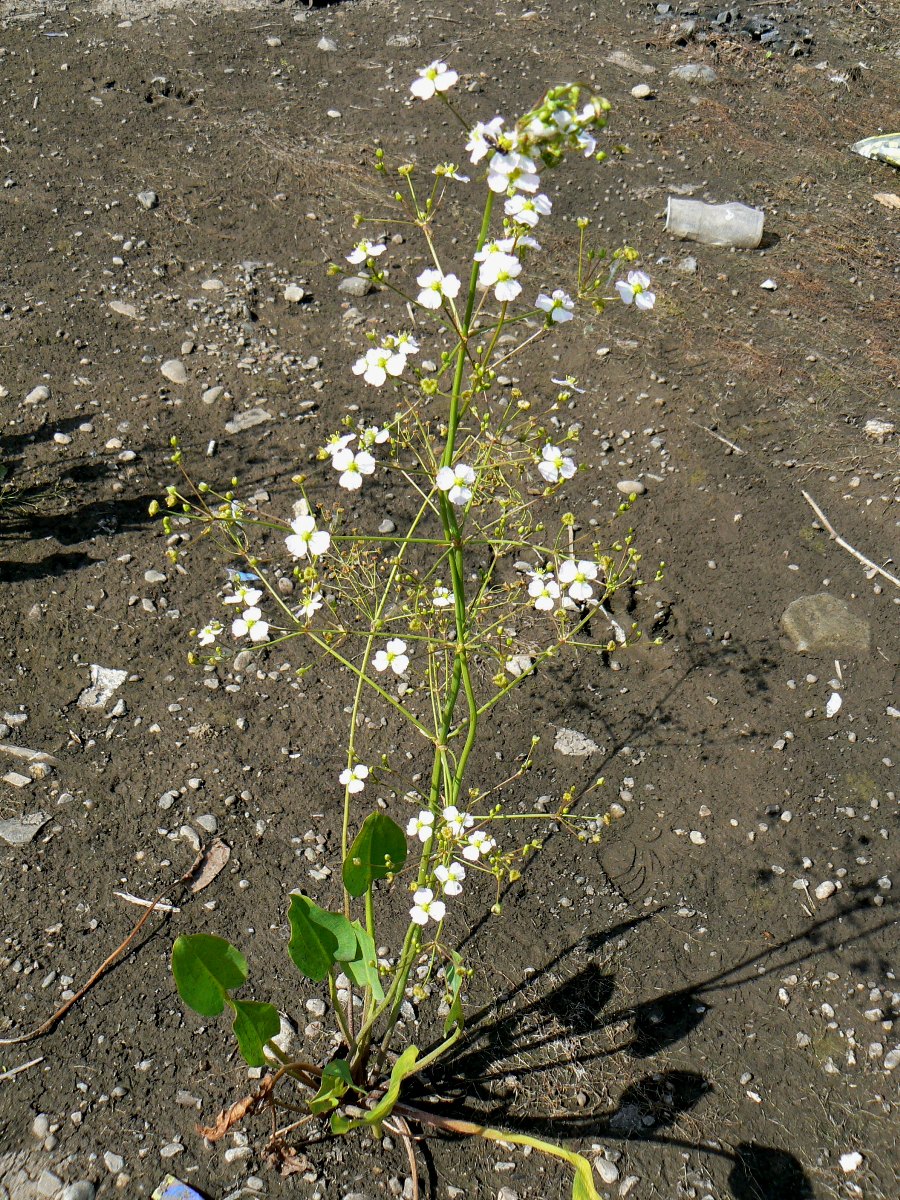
(823, 624)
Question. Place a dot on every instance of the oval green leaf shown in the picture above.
(362, 968)
(254, 1024)
(319, 938)
(205, 968)
(379, 849)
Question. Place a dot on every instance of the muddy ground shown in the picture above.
(676, 998)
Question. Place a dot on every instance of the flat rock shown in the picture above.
(826, 624)
(22, 830)
(81, 1189)
(573, 743)
(173, 369)
(147, 199)
(694, 73)
(123, 309)
(37, 395)
(355, 285)
(104, 681)
(246, 420)
(211, 395)
(631, 487)
(642, 91)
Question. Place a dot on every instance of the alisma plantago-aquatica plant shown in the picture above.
(412, 617)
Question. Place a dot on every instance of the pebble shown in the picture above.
(642, 91)
(326, 44)
(22, 831)
(878, 430)
(212, 394)
(355, 285)
(694, 73)
(40, 1126)
(697, 837)
(769, 285)
(631, 487)
(114, 1162)
(688, 265)
(293, 293)
(104, 681)
(208, 285)
(851, 1162)
(154, 576)
(81, 1189)
(892, 1059)
(273, 42)
(208, 823)
(507, 1193)
(387, 526)
(123, 309)
(38, 395)
(173, 369)
(607, 1170)
(573, 743)
(246, 420)
(170, 1149)
(824, 890)
(147, 199)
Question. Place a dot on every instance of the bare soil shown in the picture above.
(677, 1002)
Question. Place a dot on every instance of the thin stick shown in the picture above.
(724, 440)
(24, 1067)
(104, 966)
(866, 562)
(402, 1128)
(142, 903)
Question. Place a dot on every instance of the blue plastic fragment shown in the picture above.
(173, 1189)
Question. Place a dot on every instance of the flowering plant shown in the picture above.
(410, 615)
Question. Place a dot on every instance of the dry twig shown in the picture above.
(845, 545)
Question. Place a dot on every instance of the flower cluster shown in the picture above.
(389, 357)
(576, 576)
(455, 838)
(355, 464)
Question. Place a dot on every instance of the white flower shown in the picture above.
(242, 594)
(310, 606)
(250, 622)
(435, 286)
(426, 906)
(437, 77)
(558, 307)
(451, 877)
(497, 246)
(364, 250)
(354, 778)
(479, 843)
(527, 211)
(421, 826)
(394, 656)
(373, 436)
(514, 170)
(403, 343)
(483, 137)
(457, 483)
(555, 465)
(379, 362)
(306, 539)
(457, 822)
(545, 592)
(635, 290)
(352, 467)
(441, 596)
(337, 442)
(578, 576)
(499, 271)
(208, 634)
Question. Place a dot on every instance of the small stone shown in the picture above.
(694, 73)
(173, 369)
(892, 1059)
(17, 780)
(208, 823)
(212, 394)
(642, 91)
(80, 1190)
(851, 1162)
(152, 576)
(631, 487)
(608, 1171)
(123, 309)
(878, 430)
(48, 1184)
(147, 199)
(769, 285)
(273, 42)
(355, 285)
(171, 1149)
(402, 41)
(387, 526)
(237, 1154)
(574, 744)
(293, 293)
(697, 837)
(826, 623)
(327, 45)
(246, 420)
(40, 1126)
(114, 1162)
(38, 395)
(23, 831)
(825, 890)
(688, 265)
(507, 1193)
(104, 681)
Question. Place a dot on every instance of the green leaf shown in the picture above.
(319, 939)
(454, 1018)
(336, 1080)
(363, 967)
(205, 968)
(379, 850)
(254, 1024)
(583, 1183)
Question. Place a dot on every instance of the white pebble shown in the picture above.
(173, 369)
(851, 1162)
(825, 889)
(607, 1171)
(697, 837)
(293, 293)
